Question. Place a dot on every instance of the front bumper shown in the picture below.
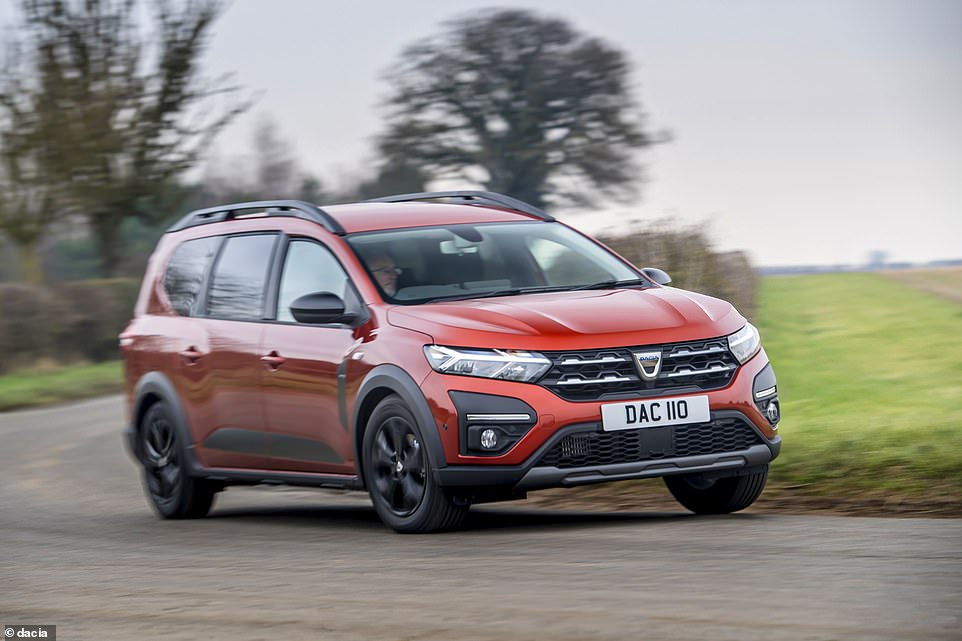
(555, 414)
(532, 476)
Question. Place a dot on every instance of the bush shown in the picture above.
(686, 254)
(76, 321)
(91, 314)
(27, 324)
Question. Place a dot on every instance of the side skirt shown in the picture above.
(267, 477)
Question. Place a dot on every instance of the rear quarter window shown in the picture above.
(185, 272)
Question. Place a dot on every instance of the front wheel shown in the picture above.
(397, 472)
(719, 496)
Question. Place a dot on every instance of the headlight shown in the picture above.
(509, 365)
(744, 343)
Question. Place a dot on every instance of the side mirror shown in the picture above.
(320, 308)
(657, 275)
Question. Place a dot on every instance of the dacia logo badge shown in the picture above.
(648, 364)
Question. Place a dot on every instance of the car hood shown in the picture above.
(572, 320)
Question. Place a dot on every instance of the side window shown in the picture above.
(185, 272)
(237, 285)
(309, 267)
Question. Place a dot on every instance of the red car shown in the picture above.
(438, 350)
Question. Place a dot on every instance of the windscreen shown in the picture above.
(423, 264)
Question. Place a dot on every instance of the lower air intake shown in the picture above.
(592, 448)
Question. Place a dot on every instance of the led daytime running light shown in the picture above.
(495, 363)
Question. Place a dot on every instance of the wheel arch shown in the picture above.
(378, 384)
(152, 388)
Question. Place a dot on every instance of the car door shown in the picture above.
(301, 389)
(180, 341)
(233, 321)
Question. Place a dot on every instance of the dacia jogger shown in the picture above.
(436, 350)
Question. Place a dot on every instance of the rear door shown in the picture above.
(229, 396)
(302, 394)
(182, 341)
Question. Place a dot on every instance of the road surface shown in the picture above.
(80, 549)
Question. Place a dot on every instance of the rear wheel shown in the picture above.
(397, 472)
(718, 496)
(171, 490)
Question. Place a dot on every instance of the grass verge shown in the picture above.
(870, 378)
(43, 387)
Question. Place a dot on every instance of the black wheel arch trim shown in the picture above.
(401, 383)
(156, 384)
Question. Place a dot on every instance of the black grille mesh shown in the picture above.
(710, 362)
(627, 446)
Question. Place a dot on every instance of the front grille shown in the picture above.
(584, 449)
(612, 373)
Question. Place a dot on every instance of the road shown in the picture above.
(80, 549)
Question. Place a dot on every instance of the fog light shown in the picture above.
(771, 412)
(489, 439)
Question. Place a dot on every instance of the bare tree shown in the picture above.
(275, 168)
(27, 195)
(522, 103)
(393, 178)
(270, 171)
(27, 208)
(121, 113)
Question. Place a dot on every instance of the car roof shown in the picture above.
(390, 212)
(362, 217)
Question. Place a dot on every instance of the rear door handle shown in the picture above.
(273, 360)
(191, 355)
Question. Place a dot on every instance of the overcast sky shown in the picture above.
(807, 132)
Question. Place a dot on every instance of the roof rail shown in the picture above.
(294, 208)
(472, 197)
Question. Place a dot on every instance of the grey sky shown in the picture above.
(805, 132)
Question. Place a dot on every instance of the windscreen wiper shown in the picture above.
(611, 284)
(511, 291)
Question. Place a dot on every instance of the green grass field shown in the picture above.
(870, 377)
(28, 388)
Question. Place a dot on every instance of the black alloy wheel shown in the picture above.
(172, 491)
(398, 473)
(164, 475)
(399, 466)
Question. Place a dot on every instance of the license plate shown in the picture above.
(655, 413)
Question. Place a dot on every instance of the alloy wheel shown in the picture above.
(161, 463)
(399, 466)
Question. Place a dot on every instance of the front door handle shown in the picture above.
(273, 360)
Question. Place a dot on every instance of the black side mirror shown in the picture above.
(655, 274)
(320, 308)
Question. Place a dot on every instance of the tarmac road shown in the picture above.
(80, 549)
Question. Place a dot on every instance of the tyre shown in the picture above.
(720, 496)
(173, 493)
(397, 472)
